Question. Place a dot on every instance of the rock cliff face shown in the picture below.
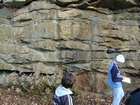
(56, 36)
(82, 4)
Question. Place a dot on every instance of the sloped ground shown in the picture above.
(91, 98)
(35, 90)
(11, 97)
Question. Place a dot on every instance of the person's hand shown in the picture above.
(123, 77)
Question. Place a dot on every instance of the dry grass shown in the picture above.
(9, 96)
(36, 90)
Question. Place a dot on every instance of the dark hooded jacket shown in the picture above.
(134, 98)
(63, 96)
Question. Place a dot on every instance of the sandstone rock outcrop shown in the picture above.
(44, 37)
(82, 4)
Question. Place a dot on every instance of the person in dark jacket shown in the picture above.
(62, 95)
(134, 98)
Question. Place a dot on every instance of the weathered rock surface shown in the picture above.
(82, 4)
(44, 37)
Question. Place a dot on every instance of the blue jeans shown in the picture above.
(118, 94)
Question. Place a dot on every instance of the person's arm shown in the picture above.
(67, 100)
(114, 71)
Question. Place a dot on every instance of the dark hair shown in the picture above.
(68, 80)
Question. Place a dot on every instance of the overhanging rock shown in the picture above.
(110, 4)
(81, 4)
(16, 3)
